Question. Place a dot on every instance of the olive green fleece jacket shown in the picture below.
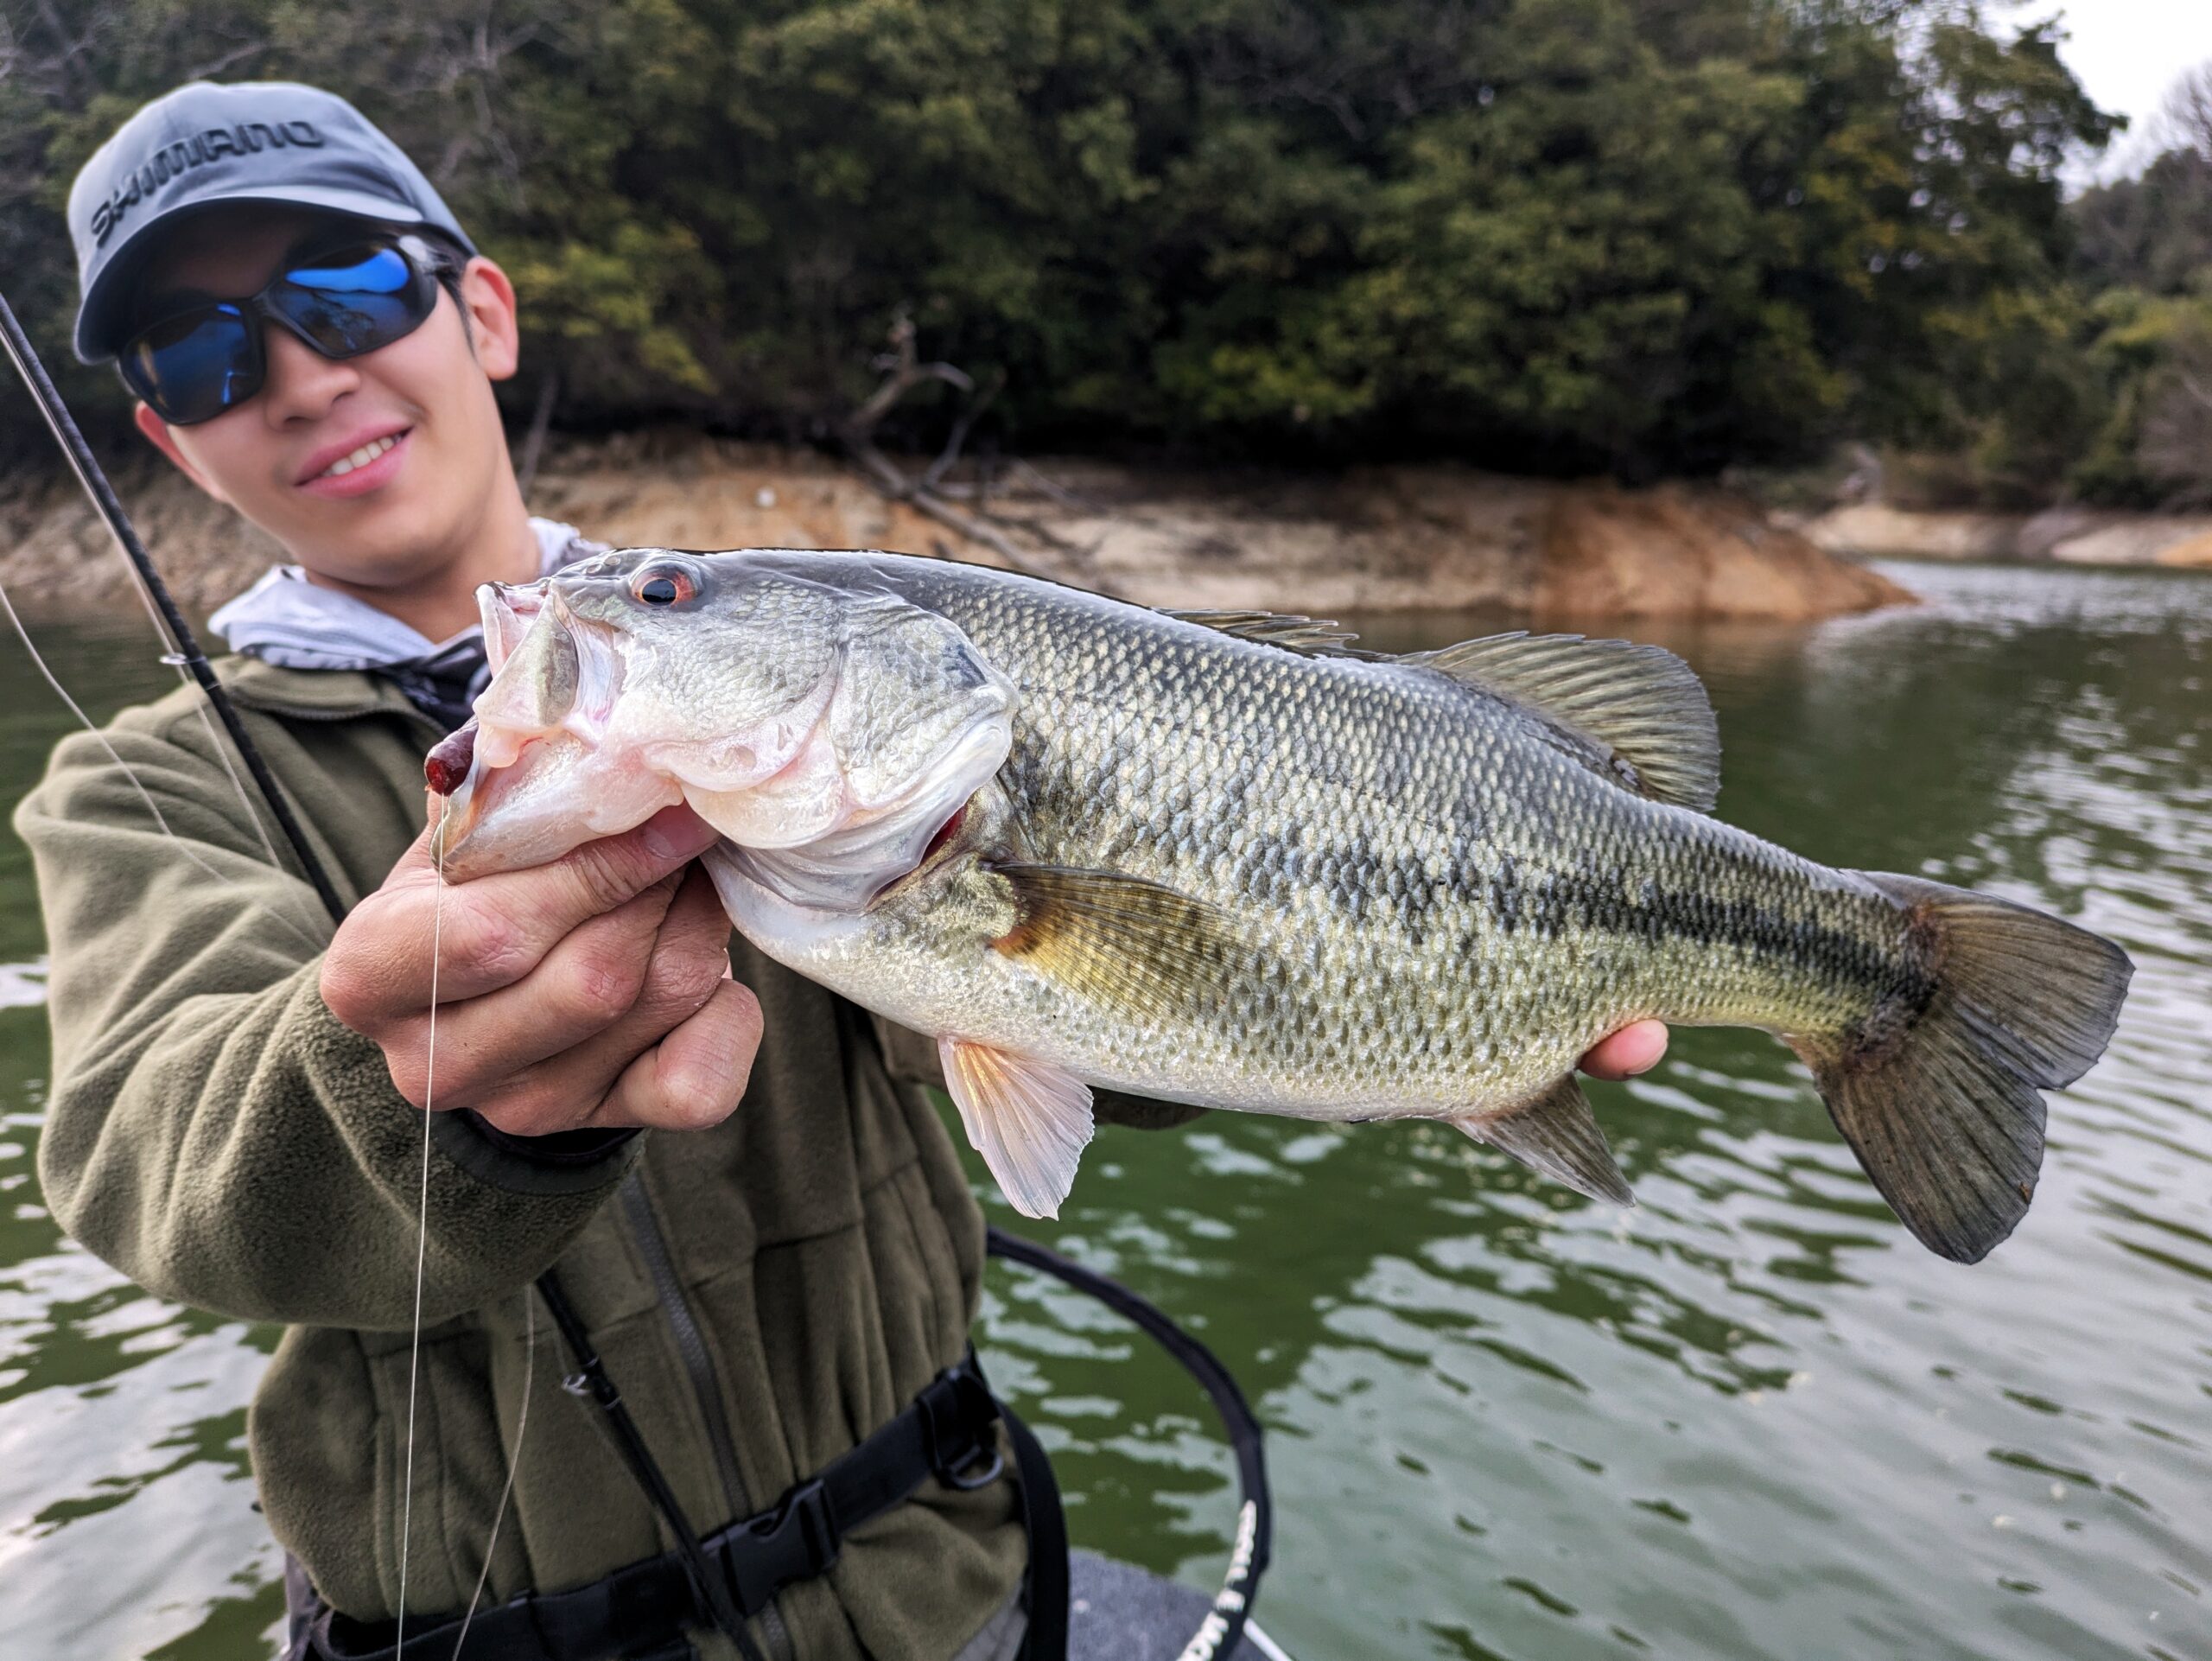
(216, 1133)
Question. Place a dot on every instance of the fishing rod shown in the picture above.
(184, 645)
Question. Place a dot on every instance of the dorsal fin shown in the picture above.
(1313, 637)
(1641, 706)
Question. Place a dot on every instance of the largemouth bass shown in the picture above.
(1232, 860)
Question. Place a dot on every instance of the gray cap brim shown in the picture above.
(104, 313)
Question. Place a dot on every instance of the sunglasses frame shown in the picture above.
(255, 312)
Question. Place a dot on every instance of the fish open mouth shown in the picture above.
(835, 742)
(523, 780)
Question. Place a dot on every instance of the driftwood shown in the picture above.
(929, 493)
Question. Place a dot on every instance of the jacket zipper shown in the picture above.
(706, 1385)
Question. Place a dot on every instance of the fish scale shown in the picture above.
(1233, 860)
(1239, 753)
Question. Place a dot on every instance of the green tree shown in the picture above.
(1648, 235)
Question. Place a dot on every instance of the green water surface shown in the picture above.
(1751, 1418)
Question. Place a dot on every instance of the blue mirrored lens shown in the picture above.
(353, 302)
(194, 367)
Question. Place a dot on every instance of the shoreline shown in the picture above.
(1370, 540)
(2055, 536)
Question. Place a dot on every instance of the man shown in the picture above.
(235, 1116)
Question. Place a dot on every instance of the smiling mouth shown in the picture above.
(361, 457)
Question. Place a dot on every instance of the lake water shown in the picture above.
(1751, 1418)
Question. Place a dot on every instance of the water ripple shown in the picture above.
(1750, 1419)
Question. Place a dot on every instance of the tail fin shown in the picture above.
(1941, 1105)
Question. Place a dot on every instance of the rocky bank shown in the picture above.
(2073, 536)
(1381, 539)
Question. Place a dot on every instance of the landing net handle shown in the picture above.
(1255, 1522)
(185, 645)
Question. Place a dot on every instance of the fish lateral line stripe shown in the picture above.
(1557, 900)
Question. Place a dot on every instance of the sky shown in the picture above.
(2127, 53)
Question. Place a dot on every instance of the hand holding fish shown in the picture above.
(1635, 1048)
(590, 992)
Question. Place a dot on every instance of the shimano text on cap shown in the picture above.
(203, 145)
(207, 149)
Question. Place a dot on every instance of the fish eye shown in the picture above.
(666, 587)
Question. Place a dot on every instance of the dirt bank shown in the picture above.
(2073, 536)
(1372, 540)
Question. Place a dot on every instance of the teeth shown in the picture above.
(359, 458)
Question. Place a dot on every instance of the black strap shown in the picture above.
(731, 1575)
(1047, 1524)
(708, 1593)
(1232, 1605)
(946, 1431)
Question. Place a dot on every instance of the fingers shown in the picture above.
(688, 962)
(496, 929)
(491, 933)
(589, 983)
(1635, 1048)
(695, 1076)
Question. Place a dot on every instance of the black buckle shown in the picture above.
(795, 1541)
(958, 1413)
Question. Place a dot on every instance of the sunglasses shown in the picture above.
(207, 358)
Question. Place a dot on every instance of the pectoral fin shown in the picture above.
(1122, 940)
(1556, 1135)
(1029, 1119)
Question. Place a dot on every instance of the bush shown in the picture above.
(1557, 233)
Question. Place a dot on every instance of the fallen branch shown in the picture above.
(901, 374)
(934, 478)
(902, 371)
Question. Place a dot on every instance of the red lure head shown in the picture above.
(448, 763)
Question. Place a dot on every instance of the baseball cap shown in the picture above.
(203, 144)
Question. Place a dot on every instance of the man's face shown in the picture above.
(400, 517)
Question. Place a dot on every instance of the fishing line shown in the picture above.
(173, 649)
(423, 1241)
(514, 1457)
(238, 785)
(101, 738)
(185, 655)
(39, 662)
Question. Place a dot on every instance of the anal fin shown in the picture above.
(1029, 1119)
(1556, 1135)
